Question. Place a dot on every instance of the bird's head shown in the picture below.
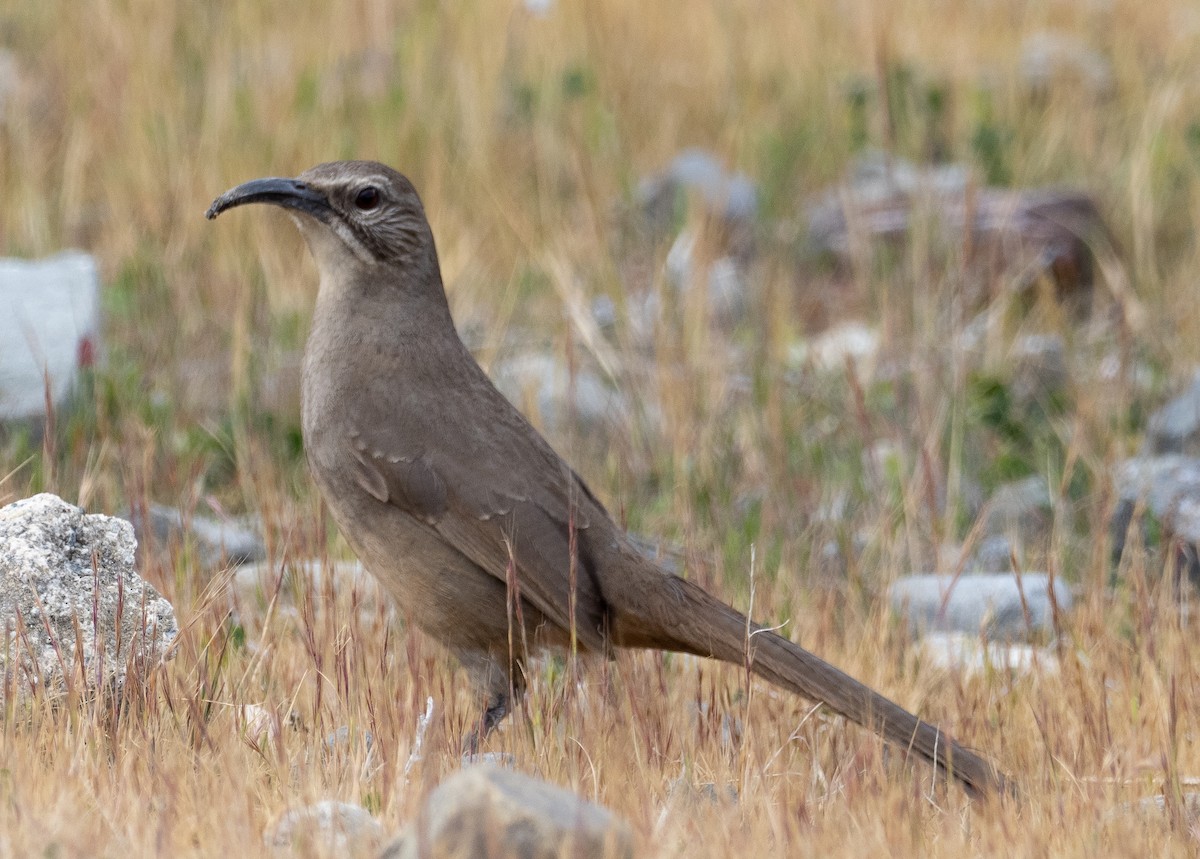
(359, 210)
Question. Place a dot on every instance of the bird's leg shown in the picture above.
(494, 711)
(500, 689)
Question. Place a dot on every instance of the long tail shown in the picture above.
(698, 623)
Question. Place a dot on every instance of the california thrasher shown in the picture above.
(470, 520)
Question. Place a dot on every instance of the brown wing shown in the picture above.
(501, 496)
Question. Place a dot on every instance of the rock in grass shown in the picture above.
(254, 588)
(544, 387)
(1018, 238)
(326, 828)
(49, 330)
(488, 812)
(1159, 808)
(722, 276)
(1166, 490)
(346, 740)
(832, 350)
(71, 606)
(1001, 606)
(1023, 508)
(965, 654)
(730, 197)
(1175, 428)
(217, 543)
(1041, 372)
(994, 554)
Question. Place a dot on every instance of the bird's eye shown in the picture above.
(367, 199)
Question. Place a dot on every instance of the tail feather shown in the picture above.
(790, 666)
(708, 627)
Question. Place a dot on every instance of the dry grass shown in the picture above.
(126, 118)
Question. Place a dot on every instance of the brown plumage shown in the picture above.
(462, 510)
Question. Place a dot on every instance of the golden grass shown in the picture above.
(522, 133)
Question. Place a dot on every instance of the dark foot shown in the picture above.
(493, 715)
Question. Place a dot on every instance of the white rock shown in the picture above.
(730, 196)
(829, 351)
(252, 581)
(327, 828)
(50, 326)
(218, 543)
(542, 387)
(256, 588)
(994, 603)
(66, 580)
(726, 288)
(1022, 507)
(961, 652)
(258, 721)
(1157, 809)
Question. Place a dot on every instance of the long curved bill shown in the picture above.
(288, 193)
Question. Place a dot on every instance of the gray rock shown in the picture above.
(723, 278)
(544, 389)
(604, 313)
(1156, 807)
(990, 603)
(1169, 487)
(988, 555)
(1115, 369)
(1022, 508)
(639, 314)
(343, 740)
(69, 597)
(835, 556)
(217, 543)
(695, 796)
(1021, 235)
(1164, 482)
(50, 329)
(254, 588)
(993, 555)
(326, 828)
(1040, 370)
(669, 557)
(487, 811)
(1175, 428)
(731, 197)
(261, 578)
(713, 212)
(344, 745)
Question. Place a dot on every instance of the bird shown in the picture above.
(474, 525)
